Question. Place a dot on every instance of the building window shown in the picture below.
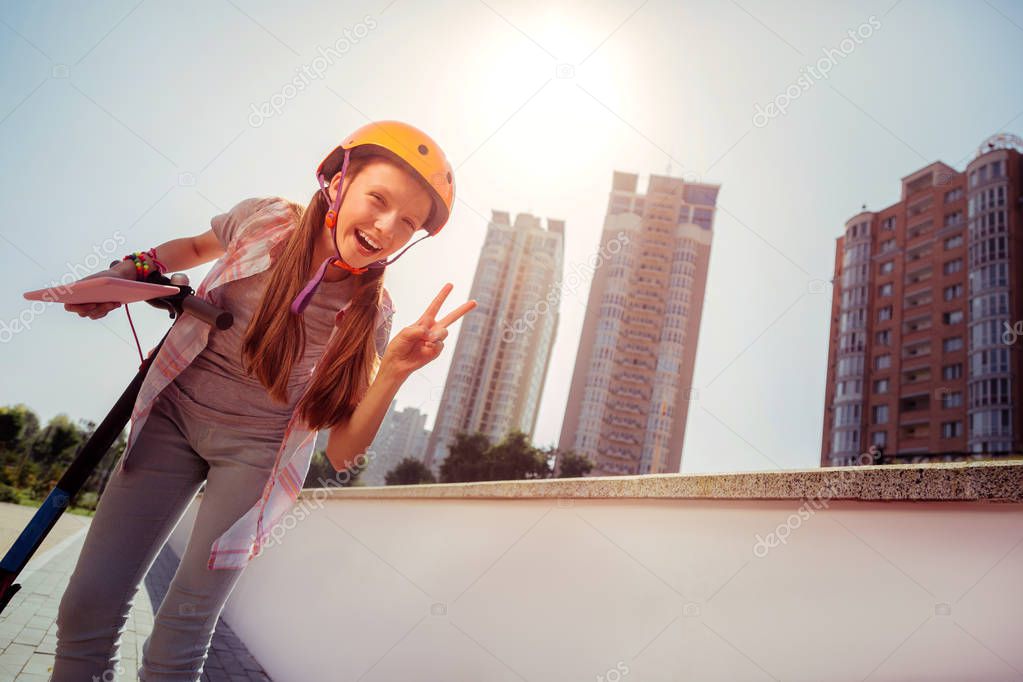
(887, 245)
(888, 223)
(954, 195)
(887, 267)
(951, 266)
(882, 362)
(952, 344)
(952, 317)
(881, 386)
(879, 438)
(953, 219)
(990, 392)
(703, 217)
(988, 333)
(883, 338)
(989, 305)
(953, 242)
(885, 289)
(847, 415)
(989, 276)
(880, 414)
(989, 361)
(951, 429)
(952, 399)
(849, 388)
(952, 371)
(953, 292)
(884, 313)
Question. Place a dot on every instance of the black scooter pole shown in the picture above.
(93, 450)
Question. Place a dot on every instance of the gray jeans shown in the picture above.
(181, 444)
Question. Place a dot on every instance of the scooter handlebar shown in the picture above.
(189, 302)
(208, 313)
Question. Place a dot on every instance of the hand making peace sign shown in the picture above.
(421, 342)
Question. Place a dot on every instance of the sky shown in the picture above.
(126, 124)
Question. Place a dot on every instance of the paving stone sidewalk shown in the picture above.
(28, 628)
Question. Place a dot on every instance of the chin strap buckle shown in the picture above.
(345, 266)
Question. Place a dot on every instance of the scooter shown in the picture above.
(173, 295)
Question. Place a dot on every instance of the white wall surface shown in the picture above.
(636, 590)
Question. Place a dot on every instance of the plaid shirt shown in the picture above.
(261, 225)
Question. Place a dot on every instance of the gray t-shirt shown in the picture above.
(216, 378)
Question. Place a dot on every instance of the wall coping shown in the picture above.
(984, 481)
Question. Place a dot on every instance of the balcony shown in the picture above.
(915, 231)
(918, 207)
(914, 439)
(917, 402)
(913, 568)
(621, 391)
(623, 422)
(920, 274)
(633, 377)
(916, 349)
(918, 323)
(633, 332)
(640, 319)
(624, 406)
(628, 455)
(632, 362)
(635, 348)
(917, 253)
(622, 437)
(647, 293)
(915, 299)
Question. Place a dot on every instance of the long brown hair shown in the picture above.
(275, 337)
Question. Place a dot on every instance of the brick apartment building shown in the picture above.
(927, 318)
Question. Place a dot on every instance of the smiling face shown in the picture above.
(381, 208)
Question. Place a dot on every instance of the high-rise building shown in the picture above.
(632, 382)
(927, 318)
(401, 435)
(500, 361)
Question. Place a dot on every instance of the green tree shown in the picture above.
(467, 459)
(19, 426)
(12, 423)
(515, 458)
(34, 459)
(58, 441)
(571, 464)
(52, 451)
(323, 474)
(409, 471)
(473, 458)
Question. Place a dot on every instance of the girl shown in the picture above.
(240, 408)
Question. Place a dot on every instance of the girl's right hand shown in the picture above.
(94, 311)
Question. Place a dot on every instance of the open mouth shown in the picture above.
(365, 243)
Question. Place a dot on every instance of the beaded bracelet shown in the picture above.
(145, 262)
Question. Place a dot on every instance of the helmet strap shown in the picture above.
(303, 298)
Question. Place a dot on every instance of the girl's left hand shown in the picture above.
(419, 343)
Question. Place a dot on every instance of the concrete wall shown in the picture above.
(637, 589)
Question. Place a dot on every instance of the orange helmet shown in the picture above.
(412, 149)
